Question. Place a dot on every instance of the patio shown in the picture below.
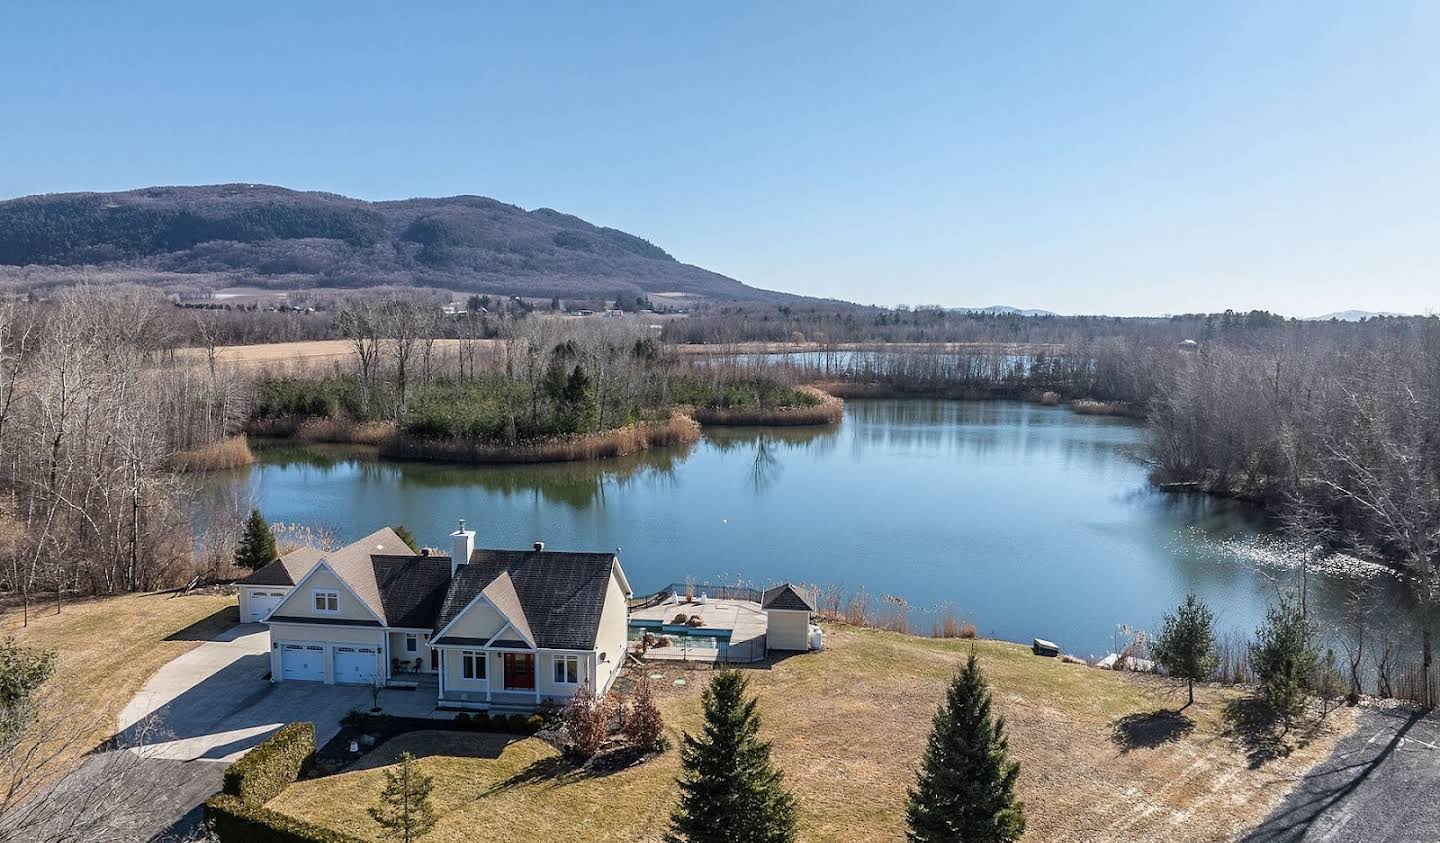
(730, 630)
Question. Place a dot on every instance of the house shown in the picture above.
(486, 628)
(787, 614)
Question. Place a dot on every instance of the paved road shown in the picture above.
(210, 706)
(1379, 784)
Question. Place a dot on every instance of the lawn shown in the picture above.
(108, 647)
(848, 726)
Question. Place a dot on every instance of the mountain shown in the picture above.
(214, 236)
(1005, 310)
(1352, 315)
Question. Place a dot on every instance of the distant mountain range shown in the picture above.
(1003, 309)
(1353, 315)
(217, 236)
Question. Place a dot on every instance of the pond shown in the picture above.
(1029, 521)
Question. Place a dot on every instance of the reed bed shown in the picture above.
(230, 452)
(888, 612)
(344, 431)
(679, 429)
(829, 410)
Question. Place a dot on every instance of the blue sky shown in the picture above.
(1080, 157)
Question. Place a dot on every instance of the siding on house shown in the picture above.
(480, 621)
(301, 603)
(612, 636)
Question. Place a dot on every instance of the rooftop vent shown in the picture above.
(539, 546)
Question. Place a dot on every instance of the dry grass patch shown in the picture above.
(230, 452)
(849, 726)
(109, 647)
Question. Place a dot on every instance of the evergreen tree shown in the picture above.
(257, 543)
(966, 787)
(728, 789)
(405, 536)
(1284, 658)
(404, 811)
(1186, 645)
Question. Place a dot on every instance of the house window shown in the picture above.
(567, 670)
(327, 601)
(472, 665)
(412, 643)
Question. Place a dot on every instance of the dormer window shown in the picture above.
(327, 601)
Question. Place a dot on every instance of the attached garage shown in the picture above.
(256, 604)
(302, 661)
(356, 665)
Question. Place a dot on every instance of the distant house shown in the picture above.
(488, 628)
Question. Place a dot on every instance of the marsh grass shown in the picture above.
(827, 409)
(679, 429)
(230, 452)
(344, 431)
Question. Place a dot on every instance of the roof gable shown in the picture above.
(299, 596)
(556, 597)
(786, 596)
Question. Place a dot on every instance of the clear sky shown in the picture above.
(1079, 157)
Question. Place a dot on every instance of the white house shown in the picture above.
(491, 628)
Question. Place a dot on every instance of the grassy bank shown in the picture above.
(679, 429)
(108, 647)
(1103, 757)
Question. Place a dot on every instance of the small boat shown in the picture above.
(1041, 647)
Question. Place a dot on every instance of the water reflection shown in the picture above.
(1037, 521)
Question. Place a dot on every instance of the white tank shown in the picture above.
(817, 637)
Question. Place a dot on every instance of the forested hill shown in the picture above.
(225, 235)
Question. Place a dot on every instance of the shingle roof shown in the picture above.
(786, 596)
(352, 564)
(287, 570)
(555, 596)
(411, 588)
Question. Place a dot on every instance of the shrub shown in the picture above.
(586, 720)
(517, 723)
(643, 724)
(535, 723)
(462, 719)
(272, 766)
(236, 822)
(681, 618)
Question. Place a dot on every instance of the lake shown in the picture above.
(1028, 520)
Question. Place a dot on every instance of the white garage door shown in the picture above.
(261, 603)
(355, 665)
(302, 661)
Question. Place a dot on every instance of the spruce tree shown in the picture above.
(405, 812)
(966, 786)
(728, 789)
(257, 543)
(1186, 644)
(406, 536)
(1284, 658)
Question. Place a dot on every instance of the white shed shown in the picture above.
(787, 612)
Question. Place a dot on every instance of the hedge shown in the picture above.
(236, 822)
(272, 766)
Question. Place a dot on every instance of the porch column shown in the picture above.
(441, 671)
(489, 681)
(536, 676)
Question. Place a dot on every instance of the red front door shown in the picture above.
(520, 671)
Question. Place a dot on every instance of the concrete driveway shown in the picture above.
(1378, 784)
(212, 704)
